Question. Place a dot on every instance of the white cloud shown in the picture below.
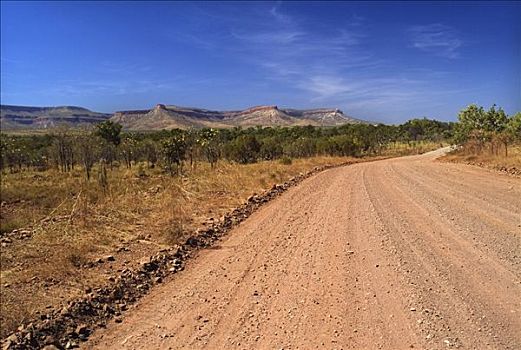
(105, 87)
(280, 17)
(437, 38)
(332, 64)
(333, 70)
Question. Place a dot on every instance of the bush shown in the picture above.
(244, 149)
(170, 149)
(140, 171)
(286, 160)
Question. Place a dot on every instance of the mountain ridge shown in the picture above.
(29, 117)
(163, 116)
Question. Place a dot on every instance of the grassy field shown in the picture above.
(71, 223)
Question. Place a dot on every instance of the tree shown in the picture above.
(495, 123)
(244, 149)
(514, 127)
(110, 132)
(88, 152)
(470, 118)
(4, 148)
(344, 145)
(103, 179)
(210, 144)
(472, 125)
(424, 129)
(192, 146)
(271, 148)
(14, 153)
(174, 150)
(128, 149)
(477, 127)
(512, 131)
(63, 149)
(149, 149)
(301, 147)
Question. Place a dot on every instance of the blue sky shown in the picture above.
(379, 61)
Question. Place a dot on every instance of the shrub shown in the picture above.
(140, 171)
(286, 160)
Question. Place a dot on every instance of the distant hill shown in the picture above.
(22, 117)
(168, 117)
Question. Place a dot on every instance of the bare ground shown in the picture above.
(387, 255)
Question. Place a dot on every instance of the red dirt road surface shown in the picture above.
(393, 254)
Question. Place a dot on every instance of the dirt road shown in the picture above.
(393, 254)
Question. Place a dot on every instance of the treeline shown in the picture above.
(478, 130)
(65, 149)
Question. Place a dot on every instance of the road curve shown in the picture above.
(394, 254)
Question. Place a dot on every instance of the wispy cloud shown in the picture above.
(288, 50)
(123, 68)
(284, 37)
(105, 87)
(7, 60)
(275, 12)
(332, 65)
(335, 69)
(356, 20)
(361, 92)
(437, 38)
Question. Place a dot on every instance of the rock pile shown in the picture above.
(509, 170)
(7, 238)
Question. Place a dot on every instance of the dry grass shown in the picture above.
(510, 163)
(397, 149)
(74, 222)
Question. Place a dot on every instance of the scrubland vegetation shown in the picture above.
(71, 197)
(176, 149)
(72, 223)
(488, 138)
